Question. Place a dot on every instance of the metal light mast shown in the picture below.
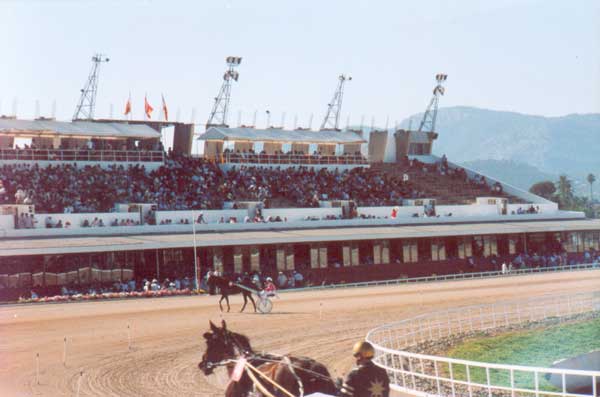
(87, 102)
(428, 122)
(218, 115)
(334, 108)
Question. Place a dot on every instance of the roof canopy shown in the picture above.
(75, 129)
(280, 135)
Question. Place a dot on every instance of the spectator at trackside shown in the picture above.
(281, 280)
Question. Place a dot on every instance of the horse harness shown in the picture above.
(251, 356)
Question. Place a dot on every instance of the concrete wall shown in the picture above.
(77, 220)
(7, 222)
(297, 224)
(298, 214)
(211, 216)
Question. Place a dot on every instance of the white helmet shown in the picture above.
(269, 279)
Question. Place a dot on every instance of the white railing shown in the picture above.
(300, 159)
(69, 155)
(458, 276)
(428, 375)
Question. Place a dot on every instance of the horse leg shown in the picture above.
(227, 300)
(221, 300)
(245, 301)
(253, 303)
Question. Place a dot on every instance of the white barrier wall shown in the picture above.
(408, 211)
(290, 225)
(210, 216)
(7, 222)
(76, 220)
(299, 214)
(543, 208)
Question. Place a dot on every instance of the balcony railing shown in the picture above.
(251, 158)
(77, 155)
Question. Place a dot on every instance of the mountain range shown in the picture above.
(517, 148)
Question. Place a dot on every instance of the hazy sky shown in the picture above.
(538, 57)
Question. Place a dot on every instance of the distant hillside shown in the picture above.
(554, 145)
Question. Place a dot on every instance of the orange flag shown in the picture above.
(128, 106)
(147, 108)
(164, 106)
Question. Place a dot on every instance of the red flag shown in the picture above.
(147, 108)
(164, 106)
(128, 106)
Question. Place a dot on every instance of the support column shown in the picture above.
(218, 259)
(314, 256)
(254, 259)
(323, 255)
(238, 263)
(355, 256)
(385, 251)
(347, 255)
(290, 259)
(377, 252)
(280, 257)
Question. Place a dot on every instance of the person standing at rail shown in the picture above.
(366, 379)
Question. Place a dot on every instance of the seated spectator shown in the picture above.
(201, 218)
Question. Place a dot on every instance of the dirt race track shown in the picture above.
(167, 333)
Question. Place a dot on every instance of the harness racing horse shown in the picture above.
(227, 287)
(298, 375)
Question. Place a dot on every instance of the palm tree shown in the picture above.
(591, 178)
(565, 191)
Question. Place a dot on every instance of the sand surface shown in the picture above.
(167, 333)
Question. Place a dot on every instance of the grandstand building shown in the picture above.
(321, 208)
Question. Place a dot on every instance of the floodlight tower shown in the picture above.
(334, 108)
(87, 102)
(428, 122)
(218, 115)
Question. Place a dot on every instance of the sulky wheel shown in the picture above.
(265, 305)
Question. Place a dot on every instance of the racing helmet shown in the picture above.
(269, 279)
(363, 349)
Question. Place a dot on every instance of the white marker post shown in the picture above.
(37, 368)
(79, 383)
(320, 311)
(65, 351)
(128, 337)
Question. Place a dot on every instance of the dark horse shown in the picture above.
(297, 375)
(227, 287)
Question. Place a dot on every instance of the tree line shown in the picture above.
(561, 192)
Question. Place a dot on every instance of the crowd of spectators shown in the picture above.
(184, 183)
(307, 186)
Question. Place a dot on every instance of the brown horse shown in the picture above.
(228, 287)
(297, 375)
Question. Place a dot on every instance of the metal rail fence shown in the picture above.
(454, 277)
(81, 155)
(428, 375)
